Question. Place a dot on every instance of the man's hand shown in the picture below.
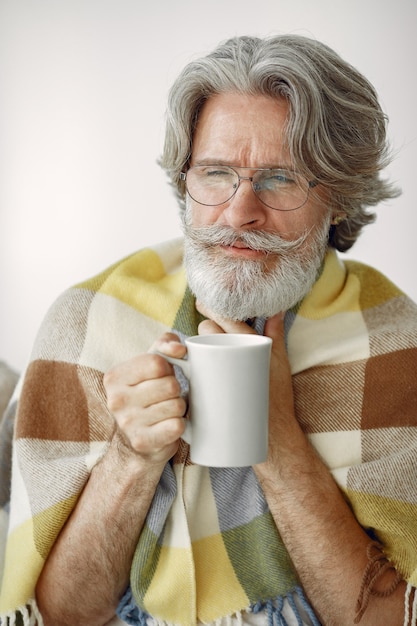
(144, 398)
(88, 567)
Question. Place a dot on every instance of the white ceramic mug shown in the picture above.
(229, 398)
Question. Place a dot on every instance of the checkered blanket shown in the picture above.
(209, 547)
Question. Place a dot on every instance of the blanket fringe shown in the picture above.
(274, 609)
(27, 615)
(377, 565)
(414, 614)
(131, 614)
(410, 602)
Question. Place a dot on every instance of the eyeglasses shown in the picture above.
(279, 189)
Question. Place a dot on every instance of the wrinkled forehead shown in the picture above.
(241, 129)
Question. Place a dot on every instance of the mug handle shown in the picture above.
(185, 366)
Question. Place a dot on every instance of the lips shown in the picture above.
(240, 244)
(239, 249)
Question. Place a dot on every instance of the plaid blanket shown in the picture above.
(209, 547)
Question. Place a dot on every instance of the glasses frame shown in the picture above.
(310, 183)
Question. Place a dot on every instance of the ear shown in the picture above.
(337, 219)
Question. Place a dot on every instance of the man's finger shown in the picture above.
(170, 345)
(274, 327)
(216, 324)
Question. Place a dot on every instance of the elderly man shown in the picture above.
(275, 148)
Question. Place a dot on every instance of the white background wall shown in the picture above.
(83, 89)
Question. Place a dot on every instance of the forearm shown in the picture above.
(327, 545)
(88, 568)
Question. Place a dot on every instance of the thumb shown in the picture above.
(274, 328)
(169, 344)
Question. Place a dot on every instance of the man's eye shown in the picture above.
(278, 179)
(217, 173)
(283, 177)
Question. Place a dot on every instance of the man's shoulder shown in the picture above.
(358, 291)
(150, 263)
(146, 266)
(138, 295)
(377, 290)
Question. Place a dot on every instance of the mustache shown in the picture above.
(264, 241)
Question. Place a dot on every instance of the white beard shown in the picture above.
(240, 289)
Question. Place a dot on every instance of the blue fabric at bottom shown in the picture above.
(130, 613)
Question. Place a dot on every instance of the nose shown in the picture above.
(244, 209)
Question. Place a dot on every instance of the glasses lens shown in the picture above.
(211, 184)
(279, 189)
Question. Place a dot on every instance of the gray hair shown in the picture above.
(336, 130)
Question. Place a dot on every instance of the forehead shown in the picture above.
(241, 129)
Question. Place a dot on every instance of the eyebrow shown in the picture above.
(264, 166)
